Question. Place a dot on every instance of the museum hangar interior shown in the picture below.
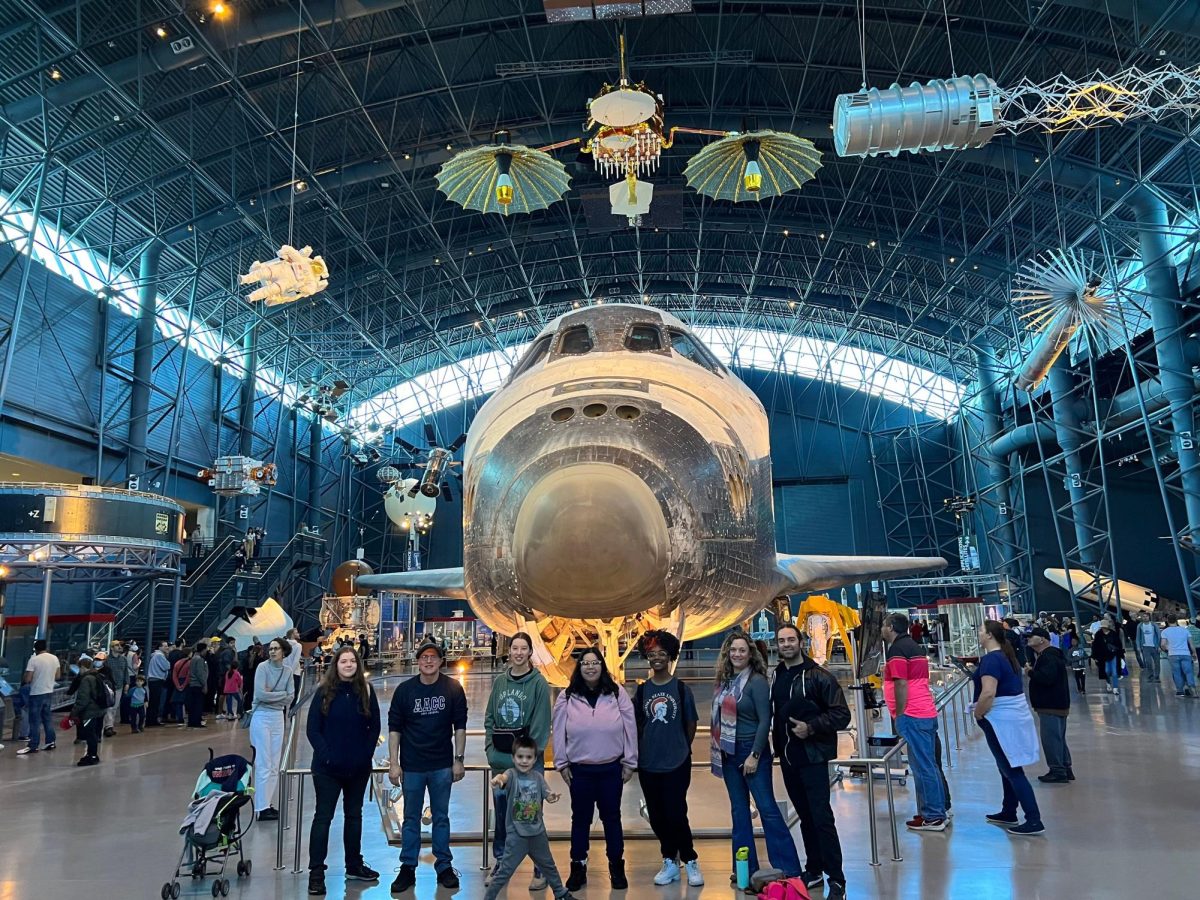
(264, 261)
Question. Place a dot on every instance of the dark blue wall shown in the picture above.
(53, 414)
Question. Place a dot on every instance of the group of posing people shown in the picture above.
(602, 737)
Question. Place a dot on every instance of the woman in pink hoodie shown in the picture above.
(596, 752)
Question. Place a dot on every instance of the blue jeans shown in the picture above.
(1017, 789)
(1151, 662)
(921, 735)
(1182, 671)
(415, 784)
(39, 714)
(1112, 669)
(781, 849)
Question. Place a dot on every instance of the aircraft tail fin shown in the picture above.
(802, 574)
(433, 582)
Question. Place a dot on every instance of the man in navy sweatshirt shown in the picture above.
(427, 740)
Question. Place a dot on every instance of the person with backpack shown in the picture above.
(1079, 665)
(665, 712)
(519, 704)
(91, 702)
(808, 710)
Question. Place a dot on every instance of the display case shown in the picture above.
(961, 619)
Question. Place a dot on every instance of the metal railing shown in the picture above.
(949, 705)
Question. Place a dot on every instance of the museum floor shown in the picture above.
(1124, 828)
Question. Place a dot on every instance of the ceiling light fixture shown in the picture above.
(219, 9)
(160, 31)
(55, 74)
(871, 244)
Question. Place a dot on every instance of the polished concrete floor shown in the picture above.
(1124, 829)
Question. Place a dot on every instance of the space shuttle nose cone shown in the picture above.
(590, 540)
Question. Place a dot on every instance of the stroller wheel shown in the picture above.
(165, 893)
(175, 890)
(249, 863)
(216, 888)
(224, 887)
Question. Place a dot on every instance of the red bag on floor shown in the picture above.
(787, 889)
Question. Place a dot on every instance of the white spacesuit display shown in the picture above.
(293, 274)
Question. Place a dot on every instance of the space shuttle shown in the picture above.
(619, 481)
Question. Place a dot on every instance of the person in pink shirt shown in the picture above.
(596, 753)
(906, 687)
(233, 691)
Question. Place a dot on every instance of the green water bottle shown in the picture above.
(742, 867)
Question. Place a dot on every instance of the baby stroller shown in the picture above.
(212, 829)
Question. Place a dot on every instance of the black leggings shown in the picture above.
(666, 804)
(1080, 679)
(91, 733)
(328, 788)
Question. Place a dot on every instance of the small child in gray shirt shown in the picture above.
(526, 789)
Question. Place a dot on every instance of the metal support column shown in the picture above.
(176, 591)
(246, 403)
(314, 471)
(14, 326)
(143, 358)
(43, 630)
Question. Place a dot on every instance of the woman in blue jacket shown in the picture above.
(343, 728)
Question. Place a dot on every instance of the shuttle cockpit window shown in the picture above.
(537, 353)
(689, 348)
(643, 337)
(575, 341)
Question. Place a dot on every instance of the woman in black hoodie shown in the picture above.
(343, 728)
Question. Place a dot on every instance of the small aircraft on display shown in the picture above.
(619, 481)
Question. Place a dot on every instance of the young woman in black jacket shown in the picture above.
(343, 728)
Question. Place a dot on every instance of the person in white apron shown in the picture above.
(1003, 714)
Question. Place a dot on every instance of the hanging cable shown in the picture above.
(295, 122)
(949, 43)
(862, 39)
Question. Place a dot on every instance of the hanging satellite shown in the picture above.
(407, 509)
(753, 166)
(293, 274)
(968, 111)
(502, 177)
(1060, 293)
(628, 134)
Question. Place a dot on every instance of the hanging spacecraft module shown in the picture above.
(619, 481)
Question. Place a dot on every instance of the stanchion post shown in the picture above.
(284, 785)
(871, 811)
(945, 738)
(896, 857)
(957, 737)
(299, 835)
(483, 828)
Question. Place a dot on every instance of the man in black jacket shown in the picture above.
(1050, 697)
(808, 710)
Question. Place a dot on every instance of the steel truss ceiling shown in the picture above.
(908, 256)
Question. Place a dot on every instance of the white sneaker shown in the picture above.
(1, 746)
(695, 879)
(221, 717)
(668, 874)
(492, 874)
(538, 883)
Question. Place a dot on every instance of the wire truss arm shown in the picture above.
(1064, 103)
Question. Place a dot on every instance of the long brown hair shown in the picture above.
(331, 680)
(725, 667)
(996, 631)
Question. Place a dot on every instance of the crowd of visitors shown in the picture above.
(603, 735)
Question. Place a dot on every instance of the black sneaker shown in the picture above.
(89, 761)
(404, 880)
(1028, 828)
(578, 876)
(270, 814)
(448, 878)
(361, 872)
(812, 879)
(316, 883)
(1002, 819)
(1053, 778)
(836, 891)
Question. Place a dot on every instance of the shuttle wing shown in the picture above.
(434, 582)
(799, 574)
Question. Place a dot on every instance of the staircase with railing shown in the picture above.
(262, 578)
(202, 573)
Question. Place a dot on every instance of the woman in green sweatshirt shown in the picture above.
(519, 704)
